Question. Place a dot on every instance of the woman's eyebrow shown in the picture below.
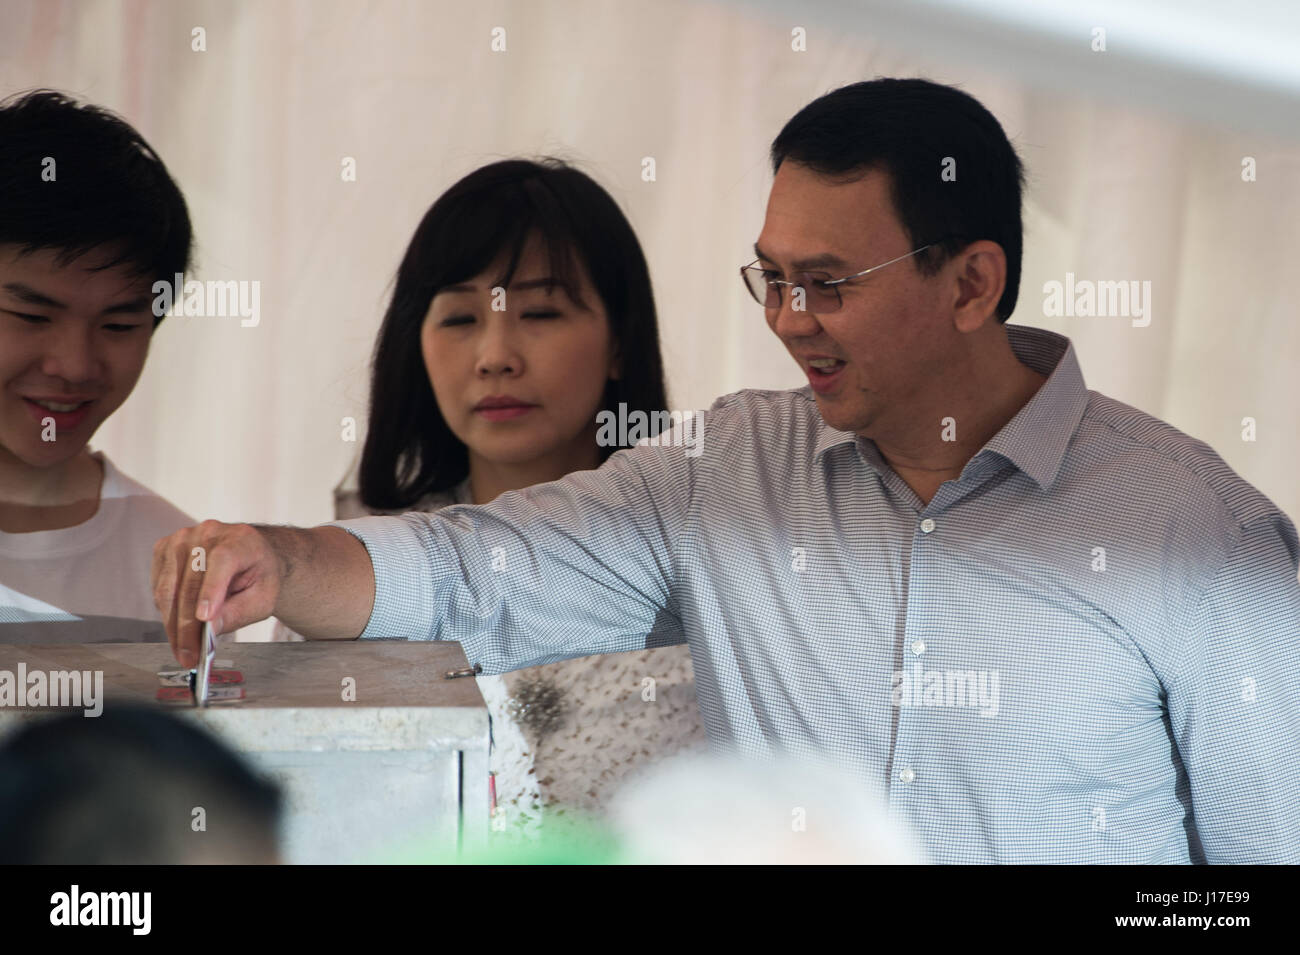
(547, 283)
(464, 287)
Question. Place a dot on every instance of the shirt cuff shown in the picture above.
(404, 597)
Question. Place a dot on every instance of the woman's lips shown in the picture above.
(63, 420)
(505, 412)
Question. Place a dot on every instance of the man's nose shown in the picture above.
(790, 321)
(72, 354)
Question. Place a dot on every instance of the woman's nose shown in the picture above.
(498, 353)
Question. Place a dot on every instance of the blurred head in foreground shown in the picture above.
(725, 810)
(134, 786)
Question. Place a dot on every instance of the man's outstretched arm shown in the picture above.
(583, 565)
(577, 566)
(318, 581)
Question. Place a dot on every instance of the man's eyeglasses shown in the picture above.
(821, 293)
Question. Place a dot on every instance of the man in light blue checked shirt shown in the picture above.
(1051, 627)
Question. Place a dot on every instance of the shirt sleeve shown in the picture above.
(1234, 706)
(573, 567)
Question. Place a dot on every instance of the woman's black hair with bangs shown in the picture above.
(409, 450)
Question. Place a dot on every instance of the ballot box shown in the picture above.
(373, 745)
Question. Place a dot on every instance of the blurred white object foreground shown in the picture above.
(726, 810)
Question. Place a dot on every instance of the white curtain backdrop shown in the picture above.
(1134, 160)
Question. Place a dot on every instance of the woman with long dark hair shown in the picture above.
(522, 308)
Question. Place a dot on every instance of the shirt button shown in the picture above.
(907, 775)
(927, 525)
(918, 647)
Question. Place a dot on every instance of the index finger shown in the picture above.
(204, 591)
(163, 576)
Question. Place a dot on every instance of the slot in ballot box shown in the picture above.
(371, 743)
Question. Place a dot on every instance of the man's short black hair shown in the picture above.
(123, 787)
(109, 188)
(908, 128)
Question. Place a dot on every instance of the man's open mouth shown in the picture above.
(59, 406)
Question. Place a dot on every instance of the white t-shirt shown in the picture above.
(88, 583)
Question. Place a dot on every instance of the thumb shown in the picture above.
(241, 609)
(235, 592)
(212, 594)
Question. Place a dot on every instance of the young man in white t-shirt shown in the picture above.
(89, 220)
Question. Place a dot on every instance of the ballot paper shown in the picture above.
(180, 676)
(212, 681)
(216, 694)
(207, 651)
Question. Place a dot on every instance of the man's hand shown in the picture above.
(226, 573)
(319, 581)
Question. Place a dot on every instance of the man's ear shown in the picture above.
(981, 277)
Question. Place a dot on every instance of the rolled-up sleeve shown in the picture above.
(1234, 707)
(582, 565)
